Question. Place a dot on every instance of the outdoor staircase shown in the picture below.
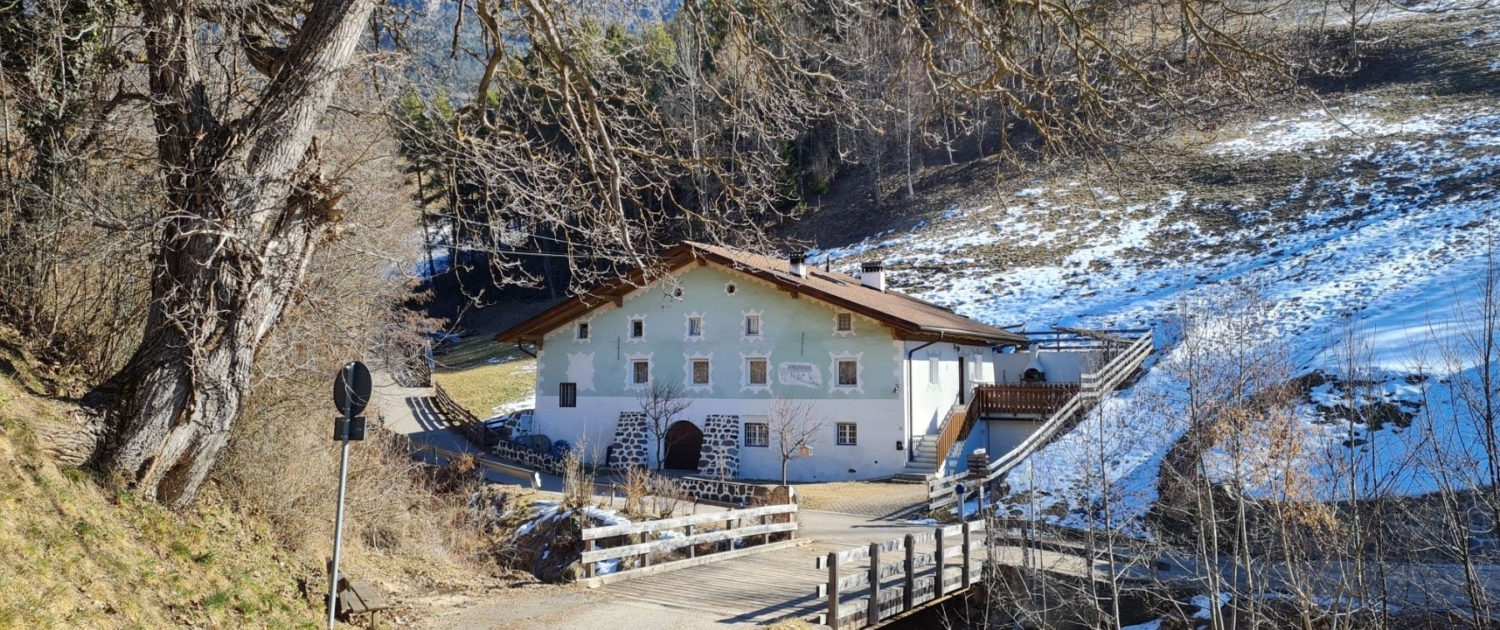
(923, 466)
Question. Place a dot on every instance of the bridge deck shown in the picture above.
(762, 588)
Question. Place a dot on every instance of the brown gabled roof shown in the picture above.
(908, 317)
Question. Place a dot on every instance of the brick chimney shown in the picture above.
(799, 265)
(872, 274)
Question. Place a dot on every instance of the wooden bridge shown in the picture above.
(844, 563)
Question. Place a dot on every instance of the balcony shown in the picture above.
(1021, 399)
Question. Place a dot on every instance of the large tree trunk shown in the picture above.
(245, 210)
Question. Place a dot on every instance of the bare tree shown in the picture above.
(662, 403)
(244, 205)
(794, 426)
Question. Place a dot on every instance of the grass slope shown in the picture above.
(482, 375)
(73, 555)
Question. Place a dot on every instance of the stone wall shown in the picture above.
(528, 457)
(720, 457)
(632, 445)
(726, 492)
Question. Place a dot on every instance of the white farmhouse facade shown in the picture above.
(733, 331)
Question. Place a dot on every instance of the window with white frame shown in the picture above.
(752, 325)
(758, 371)
(695, 326)
(848, 434)
(640, 371)
(757, 434)
(637, 328)
(848, 373)
(567, 394)
(845, 322)
(700, 372)
(730, 289)
(583, 331)
(934, 369)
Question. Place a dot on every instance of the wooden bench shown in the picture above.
(357, 597)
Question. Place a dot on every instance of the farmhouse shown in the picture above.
(884, 374)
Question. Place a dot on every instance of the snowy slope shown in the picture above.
(1392, 238)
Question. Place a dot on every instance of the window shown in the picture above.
(729, 289)
(757, 434)
(848, 373)
(848, 434)
(640, 372)
(567, 394)
(758, 370)
(934, 369)
(637, 328)
(677, 292)
(752, 325)
(845, 322)
(700, 371)
(583, 331)
(695, 326)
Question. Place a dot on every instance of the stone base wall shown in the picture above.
(535, 460)
(632, 445)
(727, 492)
(720, 457)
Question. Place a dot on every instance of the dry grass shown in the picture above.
(73, 555)
(481, 374)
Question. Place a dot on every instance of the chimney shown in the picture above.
(799, 265)
(872, 274)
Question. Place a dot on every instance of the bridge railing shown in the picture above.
(641, 541)
(921, 566)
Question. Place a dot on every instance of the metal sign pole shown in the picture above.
(338, 521)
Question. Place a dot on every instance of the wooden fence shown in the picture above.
(643, 540)
(922, 572)
(467, 423)
(1094, 386)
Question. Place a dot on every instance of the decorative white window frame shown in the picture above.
(859, 372)
(578, 330)
(584, 384)
(745, 385)
(687, 370)
(934, 369)
(744, 322)
(630, 361)
(843, 333)
(731, 288)
(630, 329)
(687, 326)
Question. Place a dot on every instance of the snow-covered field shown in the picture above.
(1390, 242)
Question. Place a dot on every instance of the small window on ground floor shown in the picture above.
(757, 434)
(700, 371)
(848, 434)
(640, 372)
(567, 394)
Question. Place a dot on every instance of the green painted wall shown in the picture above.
(793, 331)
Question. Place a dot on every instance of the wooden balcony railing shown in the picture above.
(1024, 398)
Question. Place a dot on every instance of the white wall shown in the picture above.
(1005, 435)
(1060, 366)
(931, 403)
(875, 455)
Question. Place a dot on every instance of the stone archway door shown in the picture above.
(684, 443)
